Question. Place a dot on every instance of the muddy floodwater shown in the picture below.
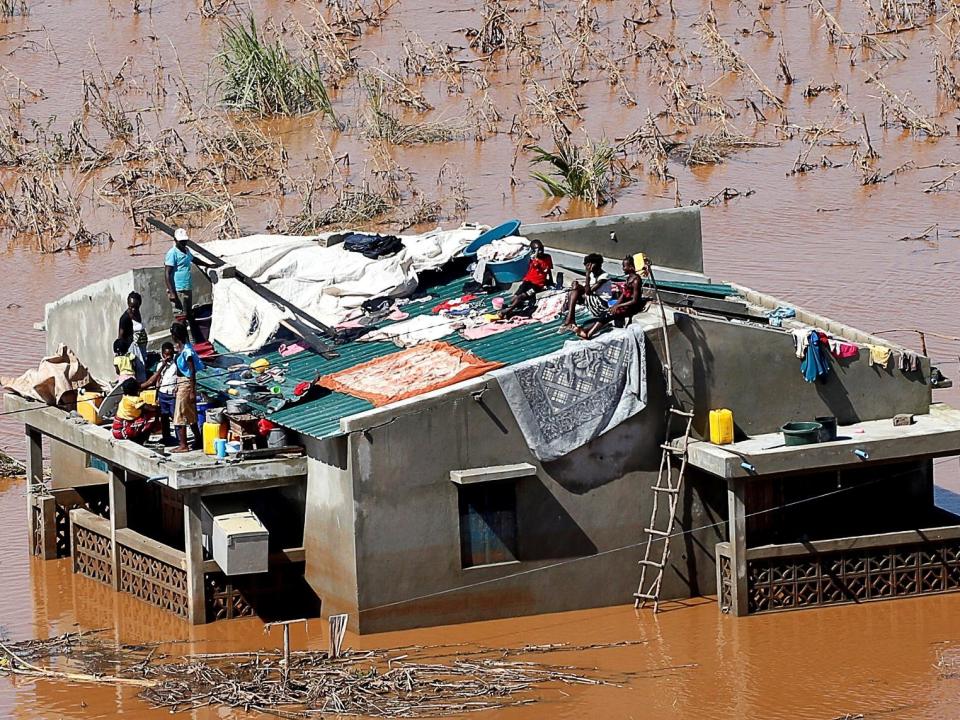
(800, 220)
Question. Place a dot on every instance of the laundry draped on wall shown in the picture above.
(564, 400)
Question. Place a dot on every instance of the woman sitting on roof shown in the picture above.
(597, 295)
(134, 420)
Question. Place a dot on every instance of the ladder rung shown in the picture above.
(644, 596)
(673, 448)
(651, 563)
(675, 411)
(654, 531)
(665, 489)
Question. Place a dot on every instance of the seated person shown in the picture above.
(123, 360)
(629, 302)
(135, 419)
(595, 292)
(539, 276)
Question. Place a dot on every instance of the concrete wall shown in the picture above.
(669, 237)
(86, 320)
(754, 372)
(328, 532)
(68, 467)
(572, 516)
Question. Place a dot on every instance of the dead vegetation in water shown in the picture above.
(412, 681)
(382, 124)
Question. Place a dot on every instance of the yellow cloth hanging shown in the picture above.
(879, 355)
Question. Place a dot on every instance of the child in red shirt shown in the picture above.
(539, 276)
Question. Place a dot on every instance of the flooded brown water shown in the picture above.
(820, 239)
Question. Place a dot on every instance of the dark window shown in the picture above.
(97, 463)
(488, 523)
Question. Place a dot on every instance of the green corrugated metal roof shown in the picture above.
(320, 416)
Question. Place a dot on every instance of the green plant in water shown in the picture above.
(587, 172)
(261, 76)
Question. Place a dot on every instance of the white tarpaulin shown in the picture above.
(325, 282)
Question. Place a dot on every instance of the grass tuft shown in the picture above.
(261, 76)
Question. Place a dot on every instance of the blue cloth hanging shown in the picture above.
(814, 362)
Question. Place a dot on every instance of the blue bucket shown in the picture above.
(510, 271)
(506, 229)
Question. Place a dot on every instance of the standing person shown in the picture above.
(188, 363)
(539, 275)
(178, 263)
(629, 302)
(595, 293)
(132, 332)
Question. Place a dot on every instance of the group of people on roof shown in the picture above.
(607, 301)
(173, 374)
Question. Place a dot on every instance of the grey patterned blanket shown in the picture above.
(564, 400)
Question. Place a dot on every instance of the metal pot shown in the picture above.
(235, 406)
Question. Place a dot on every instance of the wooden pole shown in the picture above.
(285, 624)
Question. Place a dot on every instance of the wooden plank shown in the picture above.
(813, 547)
(492, 473)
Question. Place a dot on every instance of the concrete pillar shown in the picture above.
(193, 548)
(737, 536)
(118, 517)
(48, 526)
(34, 476)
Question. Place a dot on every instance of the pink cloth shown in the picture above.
(495, 328)
(843, 350)
(549, 307)
(291, 349)
(398, 315)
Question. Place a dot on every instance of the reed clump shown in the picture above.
(259, 74)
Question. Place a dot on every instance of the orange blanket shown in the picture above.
(408, 373)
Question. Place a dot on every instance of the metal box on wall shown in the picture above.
(240, 543)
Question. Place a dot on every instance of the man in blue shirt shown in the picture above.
(178, 262)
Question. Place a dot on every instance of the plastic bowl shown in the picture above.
(501, 231)
(510, 271)
(801, 433)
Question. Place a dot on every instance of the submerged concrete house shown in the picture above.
(434, 510)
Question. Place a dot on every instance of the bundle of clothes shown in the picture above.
(372, 246)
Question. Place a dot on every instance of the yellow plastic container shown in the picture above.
(721, 426)
(211, 433)
(149, 397)
(87, 405)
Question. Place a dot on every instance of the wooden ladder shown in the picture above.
(669, 482)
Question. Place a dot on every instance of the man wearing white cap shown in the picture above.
(178, 262)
